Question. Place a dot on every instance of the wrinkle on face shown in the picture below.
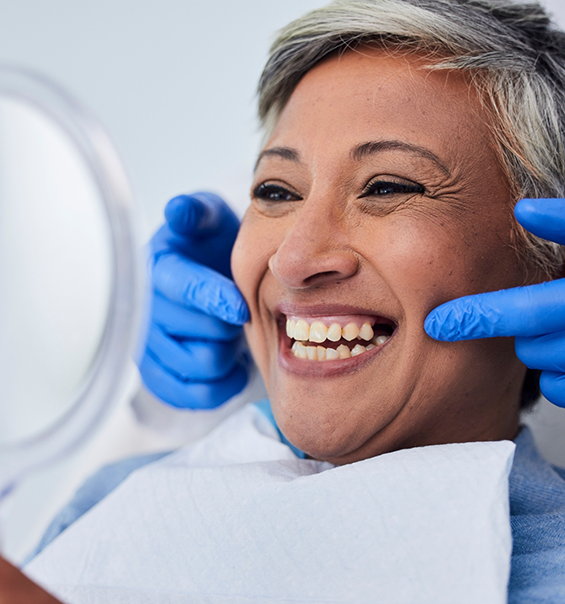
(352, 120)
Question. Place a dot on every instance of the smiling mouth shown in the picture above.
(336, 338)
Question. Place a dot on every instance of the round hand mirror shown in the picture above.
(70, 275)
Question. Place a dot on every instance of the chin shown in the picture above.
(322, 430)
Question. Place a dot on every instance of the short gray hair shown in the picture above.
(512, 51)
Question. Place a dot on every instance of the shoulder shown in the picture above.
(250, 434)
(94, 489)
(537, 507)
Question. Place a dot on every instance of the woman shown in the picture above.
(399, 136)
(445, 125)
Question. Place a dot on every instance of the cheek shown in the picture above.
(254, 246)
(428, 262)
(250, 256)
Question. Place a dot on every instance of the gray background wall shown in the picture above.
(173, 81)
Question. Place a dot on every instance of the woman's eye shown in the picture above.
(384, 188)
(272, 192)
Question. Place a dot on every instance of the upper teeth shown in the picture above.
(318, 332)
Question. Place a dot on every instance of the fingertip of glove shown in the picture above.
(184, 213)
(435, 327)
(438, 326)
(235, 313)
(431, 326)
(196, 213)
(238, 309)
(539, 211)
(543, 217)
(525, 208)
(241, 314)
(229, 305)
(551, 386)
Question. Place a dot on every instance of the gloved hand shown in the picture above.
(535, 314)
(194, 356)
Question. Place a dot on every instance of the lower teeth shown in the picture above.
(320, 353)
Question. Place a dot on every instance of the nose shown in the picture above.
(317, 248)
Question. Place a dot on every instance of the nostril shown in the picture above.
(320, 277)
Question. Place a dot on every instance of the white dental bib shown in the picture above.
(237, 518)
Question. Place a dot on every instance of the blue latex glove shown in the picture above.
(535, 314)
(194, 356)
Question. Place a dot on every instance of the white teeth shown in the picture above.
(366, 332)
(301, 330)
(299, 350)
(290, 325)
(334, 332)
(358, 349)
(350, 331)
(332, 354)
(318, 332)
(320, 353)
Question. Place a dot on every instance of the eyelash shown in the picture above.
(377, 188)
(382, 188)
(268, 192)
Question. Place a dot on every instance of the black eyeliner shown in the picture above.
(393, 188)
(264, 190)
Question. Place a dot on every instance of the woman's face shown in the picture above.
(378, 197)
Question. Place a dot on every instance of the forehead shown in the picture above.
(372, 94)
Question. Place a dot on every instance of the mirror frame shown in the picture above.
(122, 337)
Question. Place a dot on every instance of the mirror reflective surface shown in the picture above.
(71, 275)
(55, 270)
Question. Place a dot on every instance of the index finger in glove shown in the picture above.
(200, 213)
(200, 226)
(522, 311)
(196, 286)
(543, 217)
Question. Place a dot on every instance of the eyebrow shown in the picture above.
(358, 152)
(365, 149)
(282, 152)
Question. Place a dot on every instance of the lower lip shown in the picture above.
(309, 368)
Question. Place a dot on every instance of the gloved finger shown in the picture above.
(543, 352)
(201, 227)
(200, 214)
(184, 322)
(552, 386)
(522, 311)
(543, 217)
(190, 359)
(198, 287)
(188, 394)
